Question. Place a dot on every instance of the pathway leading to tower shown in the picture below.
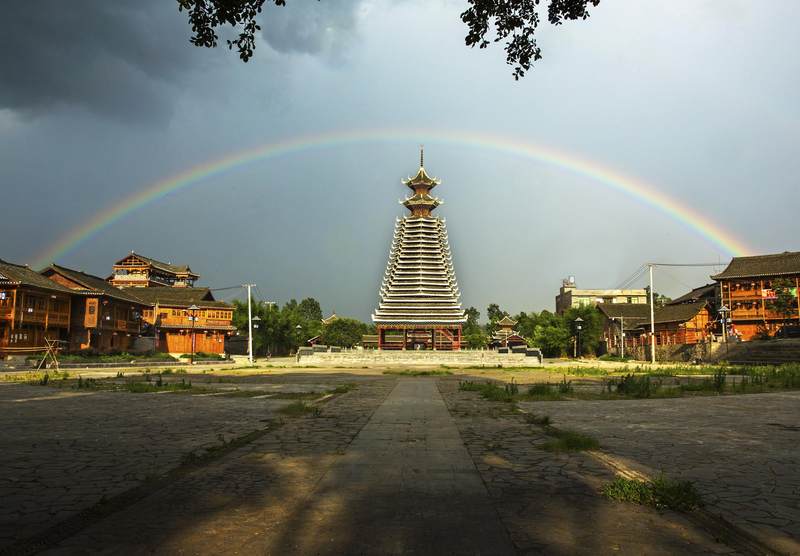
(406, 485)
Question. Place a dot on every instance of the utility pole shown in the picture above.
(622, 337)
(249, 322)
(652, 319)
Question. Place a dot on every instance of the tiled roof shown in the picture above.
(168, 267)
(507, 321)
(91, 283)
(625, 310)
(709, 291)
(762, 265)
(180, 297)
(678, 313)
(17, 275)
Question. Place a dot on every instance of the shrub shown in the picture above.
(661, 492)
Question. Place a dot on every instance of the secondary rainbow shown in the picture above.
(637, 189)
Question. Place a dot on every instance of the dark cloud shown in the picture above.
(125, 58)
(115, 58)
(311, 27)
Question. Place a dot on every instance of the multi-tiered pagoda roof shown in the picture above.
(419, 286)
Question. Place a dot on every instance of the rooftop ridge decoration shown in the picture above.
(419, 293)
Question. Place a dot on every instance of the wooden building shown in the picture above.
(138, 271)
(419, 305)
(505, 335)
(32, 309)
(623, 321)
(747, 290)
(103, 318)
(688, 323)
(177, 328)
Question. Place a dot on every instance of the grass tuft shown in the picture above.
(298, 409)
(661, 493)
(569, 441)
(541, 420)
(409, 372)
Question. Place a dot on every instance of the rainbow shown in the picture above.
(614, 180)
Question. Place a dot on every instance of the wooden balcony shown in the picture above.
(32, 315)
(58, 319)
(7, 313)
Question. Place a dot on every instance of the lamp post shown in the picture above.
(192, 310)
(299, 330)
(621, 337)
(723, 311)
(578, 327)
(254, 321)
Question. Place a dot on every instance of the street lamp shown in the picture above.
(578, 327)
(256, 320)
(724, 312)
(299, 329)
(192, 310)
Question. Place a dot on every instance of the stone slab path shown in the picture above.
(406, 485)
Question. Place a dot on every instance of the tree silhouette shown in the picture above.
(488, 21)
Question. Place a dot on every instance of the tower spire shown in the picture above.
(422, 156)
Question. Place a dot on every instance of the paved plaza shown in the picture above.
(396, 465)
(743, 452)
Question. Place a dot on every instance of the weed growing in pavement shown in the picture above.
(412, 372)
(297, 409)
(634, 386)
(541, 420)
(343, 388)
(661, 492)
(158, 386)
(569, 441)
(488, 390)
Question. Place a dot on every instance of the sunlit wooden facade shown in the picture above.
(419, 305)
(103, 319)
(747, 289)
(177, 328)
(138, 271)
(32, 309)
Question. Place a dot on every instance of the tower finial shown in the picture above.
(422, 156)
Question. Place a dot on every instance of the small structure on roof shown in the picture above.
(332, 318)
(138, 271)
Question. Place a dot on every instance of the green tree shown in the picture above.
(526, 324)
(472, 318)
(591, 327)
(344, 332)
(513, 22)
(309, 310)
(494, 313)
(659, 300)
(785, 301)
(550, 334)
